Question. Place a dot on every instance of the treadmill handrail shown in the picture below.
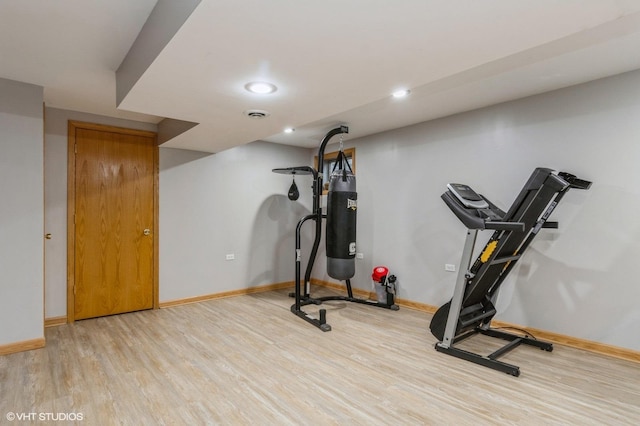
(504, 226)
(469, 218)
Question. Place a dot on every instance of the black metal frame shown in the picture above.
(491, 360)
(303, 298)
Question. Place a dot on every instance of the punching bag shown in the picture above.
(293, 193)
(342, 202)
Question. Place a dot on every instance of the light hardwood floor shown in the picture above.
(248, 360)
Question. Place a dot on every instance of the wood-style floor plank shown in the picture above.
(248, 360)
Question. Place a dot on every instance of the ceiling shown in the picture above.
(333, 61)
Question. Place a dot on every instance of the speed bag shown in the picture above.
(342, 203)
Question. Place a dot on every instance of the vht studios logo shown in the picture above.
(45, 417)
(352, 204)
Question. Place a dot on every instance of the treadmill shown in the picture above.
(472, 306)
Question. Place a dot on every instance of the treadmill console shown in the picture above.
(467, 196)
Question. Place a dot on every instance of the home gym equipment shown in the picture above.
(293, 193)
(384, 284)
(340, 235)
(472, 306)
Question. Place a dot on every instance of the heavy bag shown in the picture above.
(342, 203)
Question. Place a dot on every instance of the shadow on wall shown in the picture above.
(272, 245)
(585, 281)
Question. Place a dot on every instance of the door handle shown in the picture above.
(47, 236)
(147, 231)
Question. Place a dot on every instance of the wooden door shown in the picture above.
(114, 246)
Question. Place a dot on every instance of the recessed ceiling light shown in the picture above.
(401, 93)
(260, 87)
(289, 130)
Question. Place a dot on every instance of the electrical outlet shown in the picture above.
(450, 267)
(230, 256)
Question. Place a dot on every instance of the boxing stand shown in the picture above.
(303, 297)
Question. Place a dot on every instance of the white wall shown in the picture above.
(579, 280)
(21, 217)
(55, 176)
(212, 205)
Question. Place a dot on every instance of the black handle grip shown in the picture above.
(504, 226)
(471, 219)
(466, 216)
